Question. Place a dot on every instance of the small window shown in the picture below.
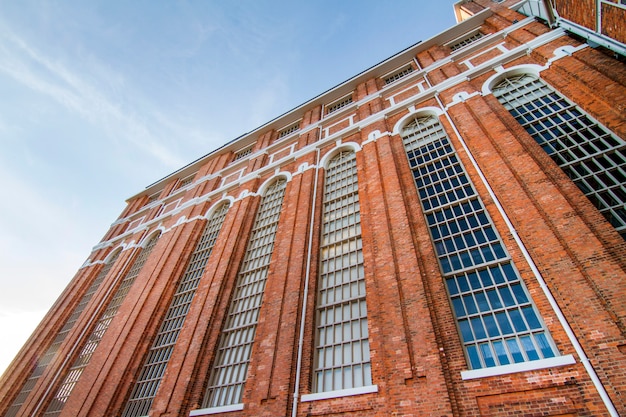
(398, 74)
(185, 182)
(289, 130)
(343, 102)
(242, 154)
(458, 44)
(154, 197)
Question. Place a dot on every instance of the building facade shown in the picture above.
(441, 235)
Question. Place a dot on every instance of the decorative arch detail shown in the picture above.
(414, 113)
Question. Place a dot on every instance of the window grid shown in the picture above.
(395, 77)
(497, 320)
(60, 337)
(230, 367)
(289, 130)
(339, 104)
(185, 182)
(58, 402)
(466, 41)
(242, 154)
(145, 388)
(591, 156)
(342, 345)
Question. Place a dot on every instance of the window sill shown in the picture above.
(518, 367)
(215, 410)
(339, 393)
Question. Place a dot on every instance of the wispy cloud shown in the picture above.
(83, 96)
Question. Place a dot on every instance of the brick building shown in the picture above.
(440, 235)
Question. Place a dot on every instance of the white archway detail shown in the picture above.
(516, 70)
(344, 146)
(422, 111)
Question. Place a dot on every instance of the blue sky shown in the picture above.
(99, 99)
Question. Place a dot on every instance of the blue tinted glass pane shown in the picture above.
(490, 324)
(503, 321)
(466, 260)
(481, 300)
(485, 277)
(520, 295)
(506, 296)
(472, 352)
(497, 275)
(531, 318)
(501, 353)
(473, 279)
(544, 346)
(458, 307)
(445, 265)
(529, 347)
(452, 288)
(470, 305)
(456, 263)
(454, 228)
(485, 349)
(509, 272)
(494, 299)
(477, 326)
(476, 256)
(517, 320)
(466, 331)
(497, 248)
(463, 285)
(514, 350)
(487, 254)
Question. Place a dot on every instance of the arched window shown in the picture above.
(230, 366)
(592, 156)
(152, 372)
(497, 321)
(342, 345)
(60, 337)
(105, 319)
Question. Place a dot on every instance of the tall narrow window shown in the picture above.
(145, 388)
(60, 337)
(497, 320)
(230, 367)
(592, 156)
(342, 344)
(82, 360)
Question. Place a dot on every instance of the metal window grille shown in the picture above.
(342, 343)
(289, 130)
(242, 154)
(591, 156)
(466, 41)
(497, 320)
(394, 77)
(43, 363)
(185, 182)
(230, 367)
(82, 360)
(145, 388)
(339, 104)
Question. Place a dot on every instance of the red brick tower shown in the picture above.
(440, 235)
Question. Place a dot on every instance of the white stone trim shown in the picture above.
(339, 393)
(216, 410)
(518, 367)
